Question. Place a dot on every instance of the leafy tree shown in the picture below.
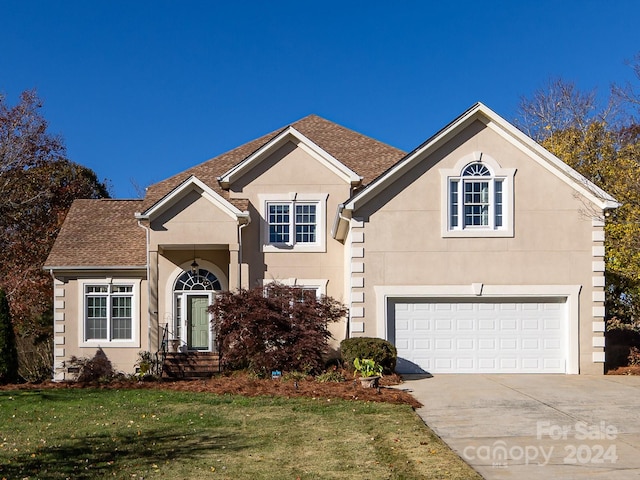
(602, 143)
(277, 328)
(8, 351)
(37, 186)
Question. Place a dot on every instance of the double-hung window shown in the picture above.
(293, 222)
(478, 200)
(108, 314)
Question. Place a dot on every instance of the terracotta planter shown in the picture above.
(369, 382)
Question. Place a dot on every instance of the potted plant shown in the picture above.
(369, 371)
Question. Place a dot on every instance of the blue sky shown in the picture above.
(143, 89)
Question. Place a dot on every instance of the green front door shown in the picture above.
(198, 327)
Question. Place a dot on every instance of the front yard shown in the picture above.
(154, 433)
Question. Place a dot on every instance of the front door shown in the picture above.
(198, 327)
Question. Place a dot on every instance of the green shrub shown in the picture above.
(377, 349)
(8, 351)
(96, 369)
(331, 375)
(294, 376)
(326, 377)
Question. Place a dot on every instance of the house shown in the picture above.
(478, 251)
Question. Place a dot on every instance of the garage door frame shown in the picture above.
(569, 293)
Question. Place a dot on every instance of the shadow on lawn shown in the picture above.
(116, 456)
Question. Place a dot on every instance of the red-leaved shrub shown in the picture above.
(274, 328)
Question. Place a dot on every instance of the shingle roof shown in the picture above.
(364, 155)
(100, 233)
(105, 233)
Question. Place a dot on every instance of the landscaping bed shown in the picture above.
(245, 384)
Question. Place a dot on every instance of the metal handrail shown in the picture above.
(163, 348)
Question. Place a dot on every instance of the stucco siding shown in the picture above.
(551, 244)
(69, 322)
(287, 174)
(193, 220)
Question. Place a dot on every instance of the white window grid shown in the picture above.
(108, 312)
(281, 223)
(476, 199)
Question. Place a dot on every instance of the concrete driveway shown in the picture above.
(536, 426)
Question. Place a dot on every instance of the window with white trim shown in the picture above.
(293, 222)
(478, 199)
(108, 312)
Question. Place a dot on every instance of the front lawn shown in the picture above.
(135, 434)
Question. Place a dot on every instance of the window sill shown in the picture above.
(110, 344)
(477, 233)
(283, 248)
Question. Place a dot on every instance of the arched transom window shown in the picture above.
(476, 199)
(202, 280)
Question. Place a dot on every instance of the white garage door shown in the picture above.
(480, 337)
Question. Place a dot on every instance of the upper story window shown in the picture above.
(479, 199)
(294, 222)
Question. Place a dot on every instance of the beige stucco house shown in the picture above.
(478, 251)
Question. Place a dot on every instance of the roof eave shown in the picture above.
(85, 268)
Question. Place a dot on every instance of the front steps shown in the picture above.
(190, 365)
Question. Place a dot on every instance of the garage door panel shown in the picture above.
(508, 344)
(443, 344)
(443, 324)
(465, 324)
(487, 324)
(508, 323)
(464, 363)
(448, 337)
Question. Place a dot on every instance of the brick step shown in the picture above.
(191, 365)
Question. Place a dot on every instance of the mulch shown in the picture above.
(632, 370)
(390, 390)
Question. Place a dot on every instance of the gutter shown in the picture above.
(95, 267)
(338, 231)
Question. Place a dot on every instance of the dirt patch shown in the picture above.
(247, 385)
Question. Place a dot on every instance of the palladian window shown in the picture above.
(479, 200)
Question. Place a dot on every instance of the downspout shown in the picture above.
(240, 227)
(336, 226)
(148, 286)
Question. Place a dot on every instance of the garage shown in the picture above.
(525, 335)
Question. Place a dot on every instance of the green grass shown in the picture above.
(134, 434)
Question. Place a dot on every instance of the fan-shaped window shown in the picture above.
(203, 280)
(476, 170)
